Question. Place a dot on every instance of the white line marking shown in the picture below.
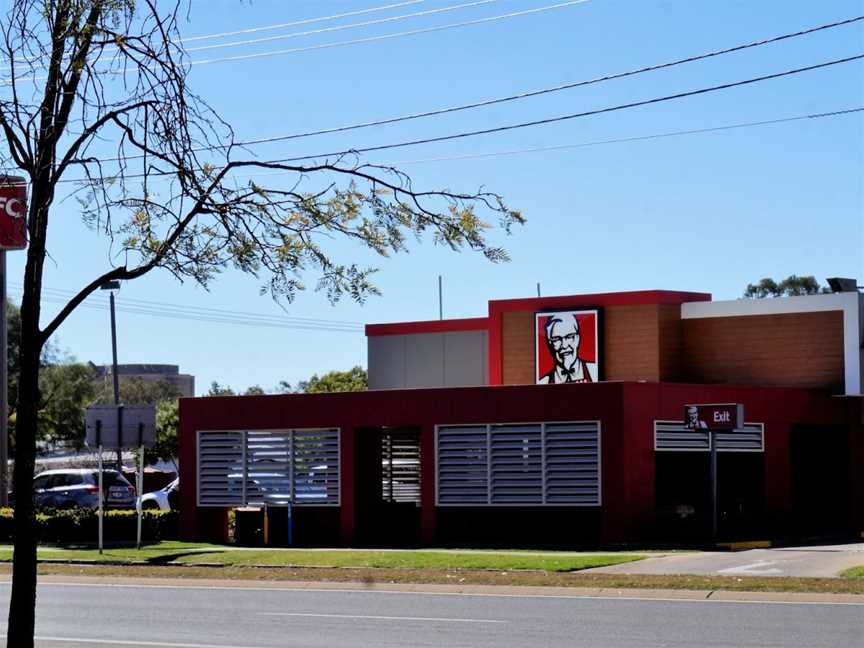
(756, 569)
(324, 590)
(127, 642)
(386, 618)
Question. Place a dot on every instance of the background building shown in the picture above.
(151, 373)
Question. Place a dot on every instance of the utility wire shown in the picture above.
(524, 95)
(324, 30)
(211, 319)
(295, 23)
(588, 113)
(372, 39)
(253, 30)
(619, 140)
(538, 122)
(64, 295)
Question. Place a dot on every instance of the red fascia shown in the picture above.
(431, 326)
(499, 307)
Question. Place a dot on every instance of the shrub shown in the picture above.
(81, 525)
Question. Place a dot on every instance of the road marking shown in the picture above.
(128, 642)
(403, 592)
(757, 568)
(386, 618)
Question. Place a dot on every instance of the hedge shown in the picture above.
(81, 525)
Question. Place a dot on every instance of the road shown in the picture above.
(819, 561)
(75, 615)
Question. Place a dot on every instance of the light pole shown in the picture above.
(112, 286)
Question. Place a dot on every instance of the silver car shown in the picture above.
(68, 488)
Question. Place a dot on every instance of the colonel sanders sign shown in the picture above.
(567, 347)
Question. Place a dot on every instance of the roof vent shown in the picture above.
(840, 284)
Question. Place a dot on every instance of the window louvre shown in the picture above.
(220, 469)
(272, 467)
(400, 467)
(519, 464)
(672, 436)
(463, 455)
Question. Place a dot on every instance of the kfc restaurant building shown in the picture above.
(555, 421)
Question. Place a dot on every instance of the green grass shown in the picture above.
(854, 572)
(179, 552)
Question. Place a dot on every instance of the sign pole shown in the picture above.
(4, 389)
(140, 480)
(101, 504)
(714, 500)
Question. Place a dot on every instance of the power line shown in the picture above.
(561, 118)
(619, 140)
(295, 23)
(527, 94)
(372, 39)
(520, 125)
(638, 138)
(324, 30)
(62, 296)
(558, 88)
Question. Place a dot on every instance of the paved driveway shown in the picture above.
(828, 560)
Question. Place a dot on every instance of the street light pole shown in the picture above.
(112, 286)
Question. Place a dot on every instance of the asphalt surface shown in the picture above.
(77, 615)
(817, 561)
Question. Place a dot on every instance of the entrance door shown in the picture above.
(820, 481)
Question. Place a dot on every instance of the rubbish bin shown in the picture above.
(249, 526)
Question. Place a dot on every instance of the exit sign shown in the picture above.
(717, 416)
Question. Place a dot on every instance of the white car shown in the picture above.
(164, 499)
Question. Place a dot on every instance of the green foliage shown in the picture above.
(355, 379)
(66, 389)
(218, 390)
(791, 286)
(80, 525)
(167, 425)
(136, 391)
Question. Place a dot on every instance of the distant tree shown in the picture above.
(137, 391)
(255, 390)
(65, 389)
(791, 286)
(352, 380)
(218, 390)
(167, 424)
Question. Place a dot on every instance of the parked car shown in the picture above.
(73, 487)
(164, 499)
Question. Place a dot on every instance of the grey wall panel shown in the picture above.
(454, 359)
(386, 361)
(465, 363)
(424, 360)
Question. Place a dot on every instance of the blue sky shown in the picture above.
(708, 212)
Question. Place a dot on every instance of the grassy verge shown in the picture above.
(469, 577)
(176, 552)
(854, 573)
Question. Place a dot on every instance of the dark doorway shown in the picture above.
(683, 496)
(387, 486)
(820, 481)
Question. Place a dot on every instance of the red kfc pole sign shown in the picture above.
(13, 212)
(722, 416)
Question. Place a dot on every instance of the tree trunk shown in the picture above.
(22, 604)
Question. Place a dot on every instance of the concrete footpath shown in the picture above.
(823, 561)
